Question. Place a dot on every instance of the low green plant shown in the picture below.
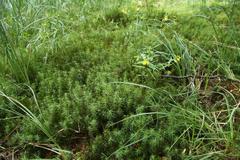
(119, 80)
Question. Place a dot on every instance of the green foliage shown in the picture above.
(119, 80)
(116, 16)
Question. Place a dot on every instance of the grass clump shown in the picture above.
(119, 80)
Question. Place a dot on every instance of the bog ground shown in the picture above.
(120, 79)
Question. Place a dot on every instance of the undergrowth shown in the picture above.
(119, 80)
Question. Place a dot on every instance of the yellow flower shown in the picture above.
(145, 62)
(168, 72)
(165, 18)
(124, 10)
(139, 3)
(178, 58)
(138, 9)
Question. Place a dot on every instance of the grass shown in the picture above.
(125, 79)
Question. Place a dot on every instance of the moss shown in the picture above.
(95, 98)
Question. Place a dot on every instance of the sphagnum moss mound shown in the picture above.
(119, 80)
